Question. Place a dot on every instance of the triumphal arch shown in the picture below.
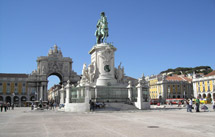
(53, 64)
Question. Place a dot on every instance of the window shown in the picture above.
(0, 89)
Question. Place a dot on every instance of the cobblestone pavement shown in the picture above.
(22, 122)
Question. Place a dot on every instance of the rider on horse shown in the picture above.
(102, 29)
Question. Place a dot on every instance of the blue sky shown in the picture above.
(150, 35)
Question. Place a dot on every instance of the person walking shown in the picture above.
(1, 105)
(32, 106)
(197, 102)
(54, 105)
(213, 102)
(5, 107)
(51, 105)
(12, 106)
(8, 106)
(187, 103)
(190, 104)
(91, 105)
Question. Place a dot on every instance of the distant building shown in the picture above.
(14, 89)
(54, 93)
(176, 86)
(204, 86)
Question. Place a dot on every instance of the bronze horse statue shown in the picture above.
(102, 29)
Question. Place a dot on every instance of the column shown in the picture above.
(62, 95)
(68, 86)
(41, 93)
(37, 92)
(87, 92)
(96, 91)
(78, 90)
(87, 96)
(129, 87)
(139, 95)
(45, 92)
(82, 92)
(19, 100)
(78, 93)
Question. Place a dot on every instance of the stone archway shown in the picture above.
(8, 99)
(204, 95)
(23, 101)
(200, 96)
(16, 100)
(32, 98)
(1, 99)
(53, 64)
(209, 99)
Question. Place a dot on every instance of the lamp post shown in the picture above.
(168, 93)
(13, 94)
(184, 94)
(35, 94)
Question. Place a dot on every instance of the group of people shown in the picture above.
(6, 106)
(189, 103)
(50, 105)
(96, 105)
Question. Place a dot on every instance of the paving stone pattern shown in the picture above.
(22, 122)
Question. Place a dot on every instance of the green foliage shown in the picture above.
(188, 70)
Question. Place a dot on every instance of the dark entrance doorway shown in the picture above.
(23, 101)
(8, 99)
(16, 101)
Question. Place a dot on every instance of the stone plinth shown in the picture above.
(102, 55)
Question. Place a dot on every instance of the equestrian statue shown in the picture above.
(102, 29)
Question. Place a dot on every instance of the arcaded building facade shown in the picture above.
(14, 89)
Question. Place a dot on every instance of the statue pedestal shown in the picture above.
(102, 55)
(105, 80)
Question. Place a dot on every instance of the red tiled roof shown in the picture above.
(210, 74)
(13, 75)
(178, 78)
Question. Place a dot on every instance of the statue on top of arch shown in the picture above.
(55, 52)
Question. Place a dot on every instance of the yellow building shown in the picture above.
(204, 87)
(163, 87)
(153, 91)
(14, 88)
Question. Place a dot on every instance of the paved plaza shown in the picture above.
(22, 122)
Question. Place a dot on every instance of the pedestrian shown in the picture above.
(187, 103)
(8, 105)
(91, 105)
(55, 105)
(191, 104)
(179, 104)
(52, 105)
(32, 106)
(5, 107)
(12, 106)
(1, 105)
(213, 104)
(197, 102)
